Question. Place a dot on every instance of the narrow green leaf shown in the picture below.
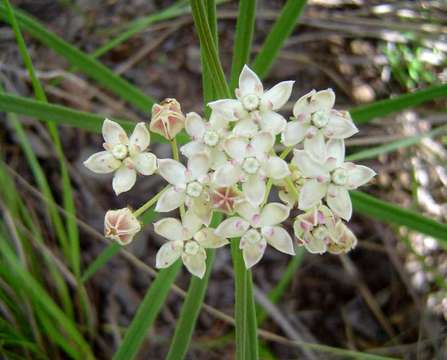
(382, 108)
(280, 32)
(252, 350)
(243, 39)
(110, 251)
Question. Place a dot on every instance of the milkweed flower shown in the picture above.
(167, 118)
(188, 240)
(121, 225)
(255, 109)
(256, 227)
(124, 156)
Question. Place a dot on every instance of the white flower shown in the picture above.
(189, 185)
(257, 227)
(344, 239)
(121, 225)
(187, 240)
(255, 109)
(123, 155)
(206, 137)
(167, 118)
(331, 179)
(225, 199)
(251, 163)
(314, 120)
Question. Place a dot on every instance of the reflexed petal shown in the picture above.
(209, 240)
(274, 214)
(236, 147)
(314, 245)
(102, 162)
(311, 193)
(172, 229)
(192, 222)
(194, 125)
(218, 121)
(339, 127)
(249, 83)
(316, 147)
(232, 227)
(171, 199)
(302, 106)
(276, 168)
(113, 133)
(246, 127)
(124, 179)
(279, 238)
(140, 138)
(358, 175)
(145, 163)
(336, 150)
(308, 166)
(294, 132)
(254, 189)
(192, 148)
(252, 253)
(202, 207)
(272, 122)
(287, 197)
(339, 201)
(227, 175)
(168, 254)
(229, 109)
(196, 264)
(262, 143)
(218, 158)
(278, 95)
(323, 100)
(198, 165)
(172, 171)
(248, 212)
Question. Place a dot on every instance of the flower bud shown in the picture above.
(121, 225)
(344, 239)
(167, 118)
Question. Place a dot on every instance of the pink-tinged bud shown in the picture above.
(121, 225)
(167, 119)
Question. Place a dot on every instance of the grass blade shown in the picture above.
(280, 32)
(252, 325)
(110, 251)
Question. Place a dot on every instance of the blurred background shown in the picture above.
(388, 296)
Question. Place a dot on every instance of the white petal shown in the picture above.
(294, 132)
(227, 175)
(217, 121)
(168, 254)
(102, 162)
(236, 147)
(196, 264)
(249, 83)
(171, 199)
(124, 179)
(272, 122)
(302, 106)
(274, 214)
(192, 222)
(324, 100)
(335, 151)
(246, 127)
(171, 229)
(232, 227)
(140, 138)
(252, 253)
(276, 168)
(311, 193)
(316, 147)
(145, 163)
(358, 175)
(202, 207)
(218, 158)
(279, 238)
(254, 189)
(262, 143)
(198, 166)
(339, 201)
(308, 166)
(192, 148)
(314, 245)
(278, 95)
(248, 212)
(229, 109)
(339, 127)
(194, 125)
(172, 171)
(208, 239)
(113, 133)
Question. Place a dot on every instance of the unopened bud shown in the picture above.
(121, 225)
(167, 118)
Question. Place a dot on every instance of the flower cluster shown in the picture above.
(231, 167)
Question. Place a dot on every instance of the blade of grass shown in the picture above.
(279, 33)
(110, 251)
(243, 39)
(252, 351)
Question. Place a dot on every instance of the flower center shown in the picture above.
(194, 189)
(320, 119)
(192, 248)
(250, 102)
(251, 236)
(320, 233)
(120, 151)
(340, 177)
(250, 165)
(210, 138)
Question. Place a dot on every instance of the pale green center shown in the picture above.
(252, 236)
(320, 119)
(320, 233)
(194, 189)
(250, 165)
(192, 248)
(250, 102)
(340, 177)
(211, 138)
(120, 151)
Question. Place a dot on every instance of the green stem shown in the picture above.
(147, 205)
